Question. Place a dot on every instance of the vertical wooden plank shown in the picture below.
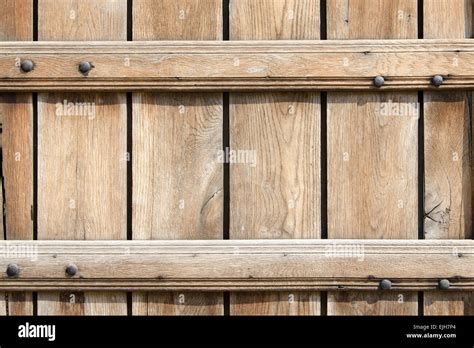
(447, 19)
(276, 193)
(16, 112)
(372, 165)
(16, 20)
(448, 212)
(177, 138)
(87, 20)
(447, 139)
(177, 20)
(369, 19)
(274, 20)
(372, 153)
(82, 153)
(453, 303)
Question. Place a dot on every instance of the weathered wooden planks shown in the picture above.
(177, 178)
(276, 196)
(447, 146)
(372, 152)
(17, 149)
(82, 153)
(213, 265)
(240, 65)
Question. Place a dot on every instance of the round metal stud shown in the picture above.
(379, 81)
(13, 270)
(85, 67)
(444, 284)
(437, 80)
(71, 269)
(26, 65)
(385, 284)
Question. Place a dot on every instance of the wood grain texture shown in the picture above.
(277, 196)
(448, 213)
(177, 179)
(447, 19)
(239, 65)
(82, 167)
(447, 147)
(383, 196)
(372, 183)
(177, 174)
(177, 20)
(66, 20)
(275, 303)
(16, 20)
(177, 303)
(369, 19)
(17, 147)
(249, 265)
(455, 303)
(276, 187)
(274, 19)
(16, 111)
(16, 24)
(361, 303)
(82, 152)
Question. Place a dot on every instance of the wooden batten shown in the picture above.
(216, 265)
(238, 65)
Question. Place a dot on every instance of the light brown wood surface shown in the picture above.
(239, 65)
(16, 113)
(372, 183)
(88, 20)
(177, 179)
(372, 157)
(82, 155)
(456, 303)
(274, 19)
(177, 20)
(257, 265)
(16, 20)
(447, 140)
(447, 19)
(278, 195)
(448, 213)
(369, 19)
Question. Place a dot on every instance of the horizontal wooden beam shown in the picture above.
(237, 65)
(237, 264)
